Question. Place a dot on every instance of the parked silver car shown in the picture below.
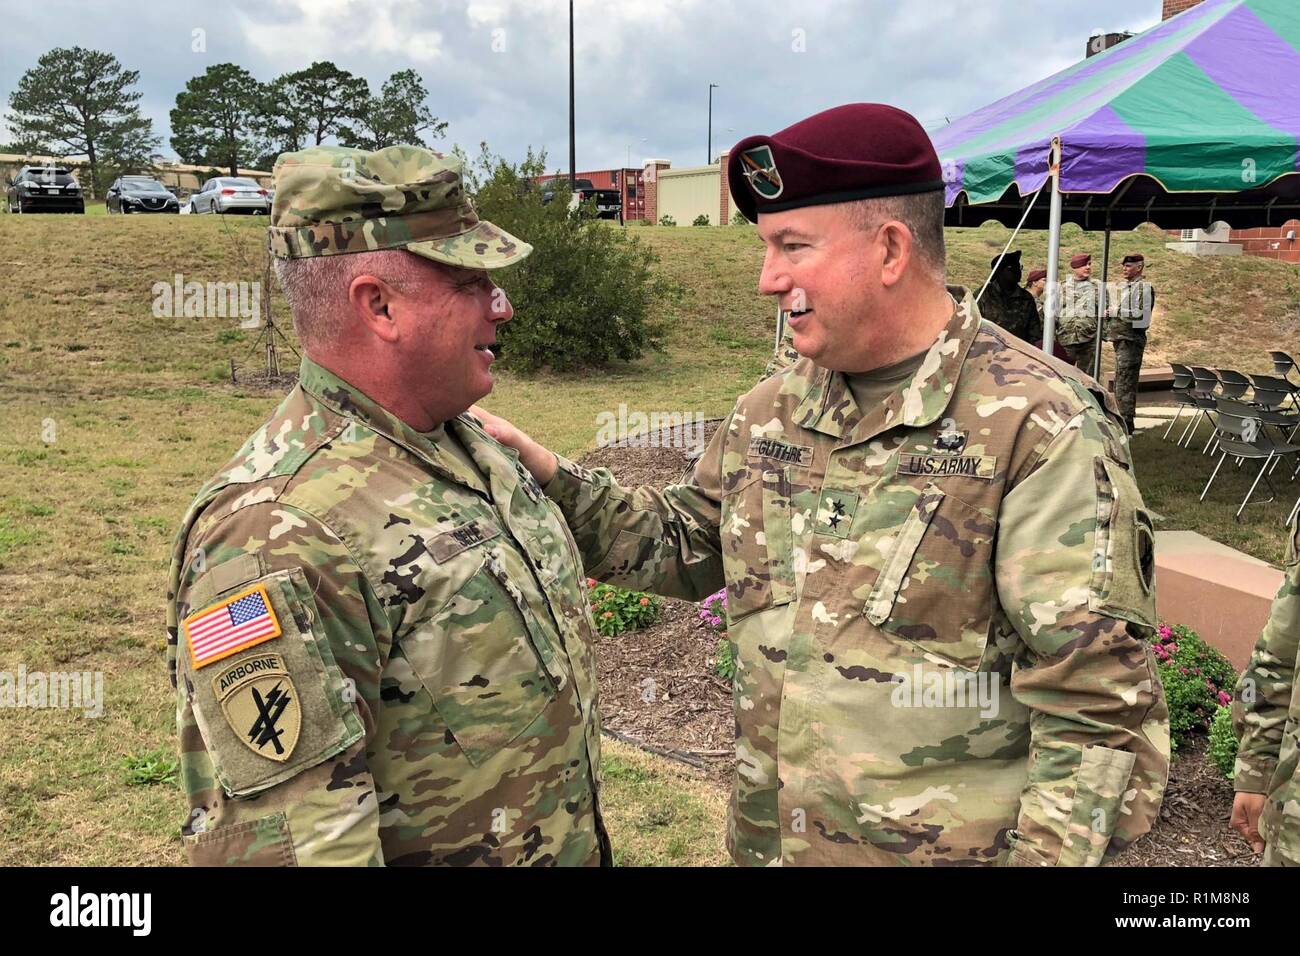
(231, 194)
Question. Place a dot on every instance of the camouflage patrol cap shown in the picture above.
(332, 200)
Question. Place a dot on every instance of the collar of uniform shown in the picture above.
(351, 402)
(829, 408)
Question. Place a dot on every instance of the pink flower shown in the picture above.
(591, 582)
(1182, 670)
(1173, 648)
(1225, 698)
(611, 614)
(1165, 632)
(644, 601)
(717, 621)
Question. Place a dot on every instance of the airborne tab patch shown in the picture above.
(780, 451)
(261, 705)
(948, 466)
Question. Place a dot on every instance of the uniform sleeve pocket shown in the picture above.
(262, 842)
(1123, 567)
(1102, 780)
(486, 663)
(278, 704)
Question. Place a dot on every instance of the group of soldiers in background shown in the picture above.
(1125, 314)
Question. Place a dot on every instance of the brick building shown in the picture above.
(630, 184)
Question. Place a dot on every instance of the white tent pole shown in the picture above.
(1102, 304)
(1053, 251)
(1002, 254)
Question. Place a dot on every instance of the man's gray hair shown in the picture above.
(922, 213)
(317, 287)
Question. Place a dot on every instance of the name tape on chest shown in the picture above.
(447, 545)
(783, 452)
(949, 466)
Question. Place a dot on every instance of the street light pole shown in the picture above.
(709, 158)
(573, 147)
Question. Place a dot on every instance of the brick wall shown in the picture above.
(724, 194)
(1270, 242)
(1174, 7)
(651, 187)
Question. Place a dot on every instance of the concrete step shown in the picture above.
(1222, 594)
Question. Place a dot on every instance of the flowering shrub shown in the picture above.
(1197, 679)
(617, 610)
(713, 612)
(1223, 742)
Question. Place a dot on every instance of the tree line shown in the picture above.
(79, 101)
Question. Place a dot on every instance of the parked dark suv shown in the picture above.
(140, 194)
(44, 189)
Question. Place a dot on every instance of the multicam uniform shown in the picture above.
(1126, 325)
(980, 527)
(1266, 716)
(1011, 308)
(1076, 329)
(412, 677)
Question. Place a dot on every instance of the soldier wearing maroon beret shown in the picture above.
(907, 521)
(1081, 301)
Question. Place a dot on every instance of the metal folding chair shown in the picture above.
(1283, 366)
(1204, 383)
(1241, 434)
(1182, 389)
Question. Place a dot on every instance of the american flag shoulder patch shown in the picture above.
(240, 621)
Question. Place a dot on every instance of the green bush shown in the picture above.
(667, 220)
(738, 219)
(617, 610)
(1223, 742)
(701, 220)
(583, 298)
(1197, 680)
(724, 659)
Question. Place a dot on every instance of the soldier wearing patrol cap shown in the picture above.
(938, 565)
(377, 624)
(1081, 297)
(1004, 303)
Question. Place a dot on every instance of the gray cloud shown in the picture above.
(497, 70)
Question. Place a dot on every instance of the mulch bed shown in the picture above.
(691, 719)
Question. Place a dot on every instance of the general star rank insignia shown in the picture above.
(261, 705)
(835, 512)
(760, 170)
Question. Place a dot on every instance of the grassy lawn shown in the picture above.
(115, 416)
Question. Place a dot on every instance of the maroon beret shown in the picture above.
(1081, 260)
(1133, 257)
(857, 151)
(1035, 275)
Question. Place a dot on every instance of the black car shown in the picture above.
(140, 194)
(44, 189)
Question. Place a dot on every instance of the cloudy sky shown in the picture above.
(497, 70)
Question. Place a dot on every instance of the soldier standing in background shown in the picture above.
(1036, 285)
(377, 625)
(920, 502)
(1004, 303)
(1266, 810)
(1080, 301)
(1127, 321)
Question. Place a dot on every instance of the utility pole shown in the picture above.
(709, 158)
(573, 147)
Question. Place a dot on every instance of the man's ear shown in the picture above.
(371, 300)
(896, 252)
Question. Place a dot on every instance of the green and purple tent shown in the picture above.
(1191, 122)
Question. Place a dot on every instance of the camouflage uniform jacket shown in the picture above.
(1012, 309)
(1266, 716)
(1080, 300)
(1129, 317)
(435, 648)
(981, 526)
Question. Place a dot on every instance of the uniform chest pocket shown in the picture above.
(757, 543)
(485, 661)
(936, 588)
